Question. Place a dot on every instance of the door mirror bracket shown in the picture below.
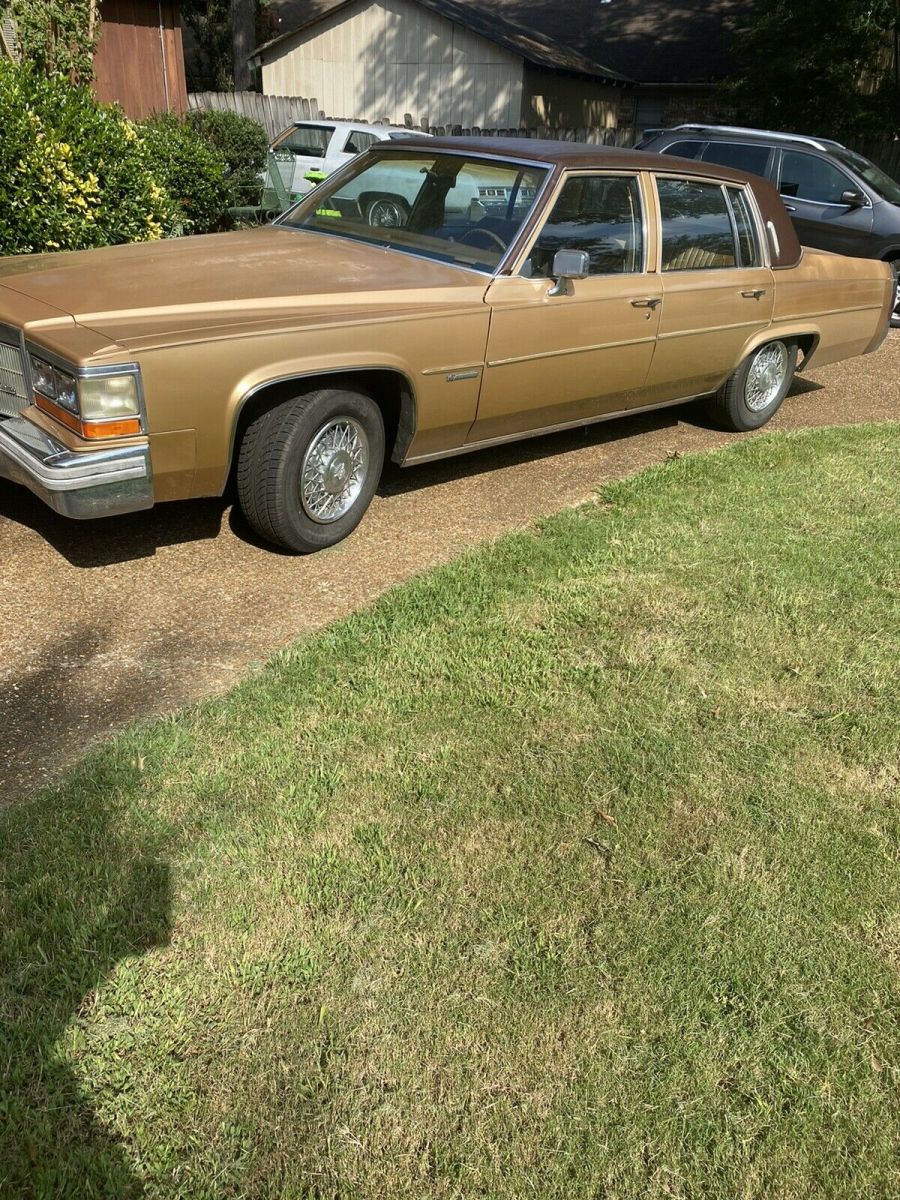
(568, 264)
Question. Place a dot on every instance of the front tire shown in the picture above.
(308, 468)
(895, 315)
(753, 393)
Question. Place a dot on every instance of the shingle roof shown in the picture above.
(644, 41)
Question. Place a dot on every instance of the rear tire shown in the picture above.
(753, 393)
(308, 468)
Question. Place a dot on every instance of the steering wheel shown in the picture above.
(485, 233)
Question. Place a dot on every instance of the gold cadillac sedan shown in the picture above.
(430, 298)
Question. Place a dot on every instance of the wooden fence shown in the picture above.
(275, 113)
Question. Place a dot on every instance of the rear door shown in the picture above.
(811, 187)
(717, 290)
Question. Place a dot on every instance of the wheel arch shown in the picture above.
(806, 337)
(390, 388)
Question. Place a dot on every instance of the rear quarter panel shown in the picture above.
(844, 302)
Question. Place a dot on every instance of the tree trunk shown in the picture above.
(243, 35)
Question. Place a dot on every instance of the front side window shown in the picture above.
(743, 156)
(697, 230)
(449, 207)
(600, 214)
(805, 177)
(311, 141)
(887, 188)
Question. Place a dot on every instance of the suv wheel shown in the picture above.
(753, 393)
(895, 315)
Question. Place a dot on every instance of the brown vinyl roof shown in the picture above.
(642, 41)
(574, 155)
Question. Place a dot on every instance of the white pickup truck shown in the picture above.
(320, 147)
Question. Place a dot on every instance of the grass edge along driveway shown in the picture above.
(566, 870)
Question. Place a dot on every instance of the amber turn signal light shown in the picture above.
(91, 430)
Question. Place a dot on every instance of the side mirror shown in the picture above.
(568, 264)
(853, 198)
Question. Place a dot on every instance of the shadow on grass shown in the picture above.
(82, 887)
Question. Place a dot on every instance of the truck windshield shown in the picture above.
(448, 207)
(878, 180)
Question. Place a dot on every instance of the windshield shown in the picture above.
(877, 179)
(448, 207)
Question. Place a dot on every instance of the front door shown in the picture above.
(717, 292)
(556, 360)
(811, 188)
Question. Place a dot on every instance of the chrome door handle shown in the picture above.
(791, 207)
(653, 302)
(754, 293)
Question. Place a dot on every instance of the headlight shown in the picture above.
(54, 384)
(108, 397)
(94, 405)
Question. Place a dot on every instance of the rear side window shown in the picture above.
(358, 141)
(697, 229)
(743, 156)
(749, 251)
(684, 149)
(806, 177)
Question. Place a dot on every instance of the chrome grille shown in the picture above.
(13, 393)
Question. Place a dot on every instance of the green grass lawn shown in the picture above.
(568, 870)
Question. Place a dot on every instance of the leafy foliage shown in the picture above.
(73, 173)
(818, 67)
(191, 172)
(209, 22)
(216, 27)
(58, 36)
(242, 144)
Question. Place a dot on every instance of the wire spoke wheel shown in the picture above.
(766, 376)
(385, 214)
(334, 470)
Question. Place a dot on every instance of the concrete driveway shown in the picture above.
(105, 622)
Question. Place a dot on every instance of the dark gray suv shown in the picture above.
(837, 199)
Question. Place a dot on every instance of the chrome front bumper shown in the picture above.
(94, 483)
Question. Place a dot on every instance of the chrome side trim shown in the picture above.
(826, 312)
(505, 362)
(680, 333)
(456, 367)
(469, 447)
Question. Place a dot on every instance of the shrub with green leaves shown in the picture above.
(191, 172)
(73, 173)
(242, 143)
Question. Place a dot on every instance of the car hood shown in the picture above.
(156, 292)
